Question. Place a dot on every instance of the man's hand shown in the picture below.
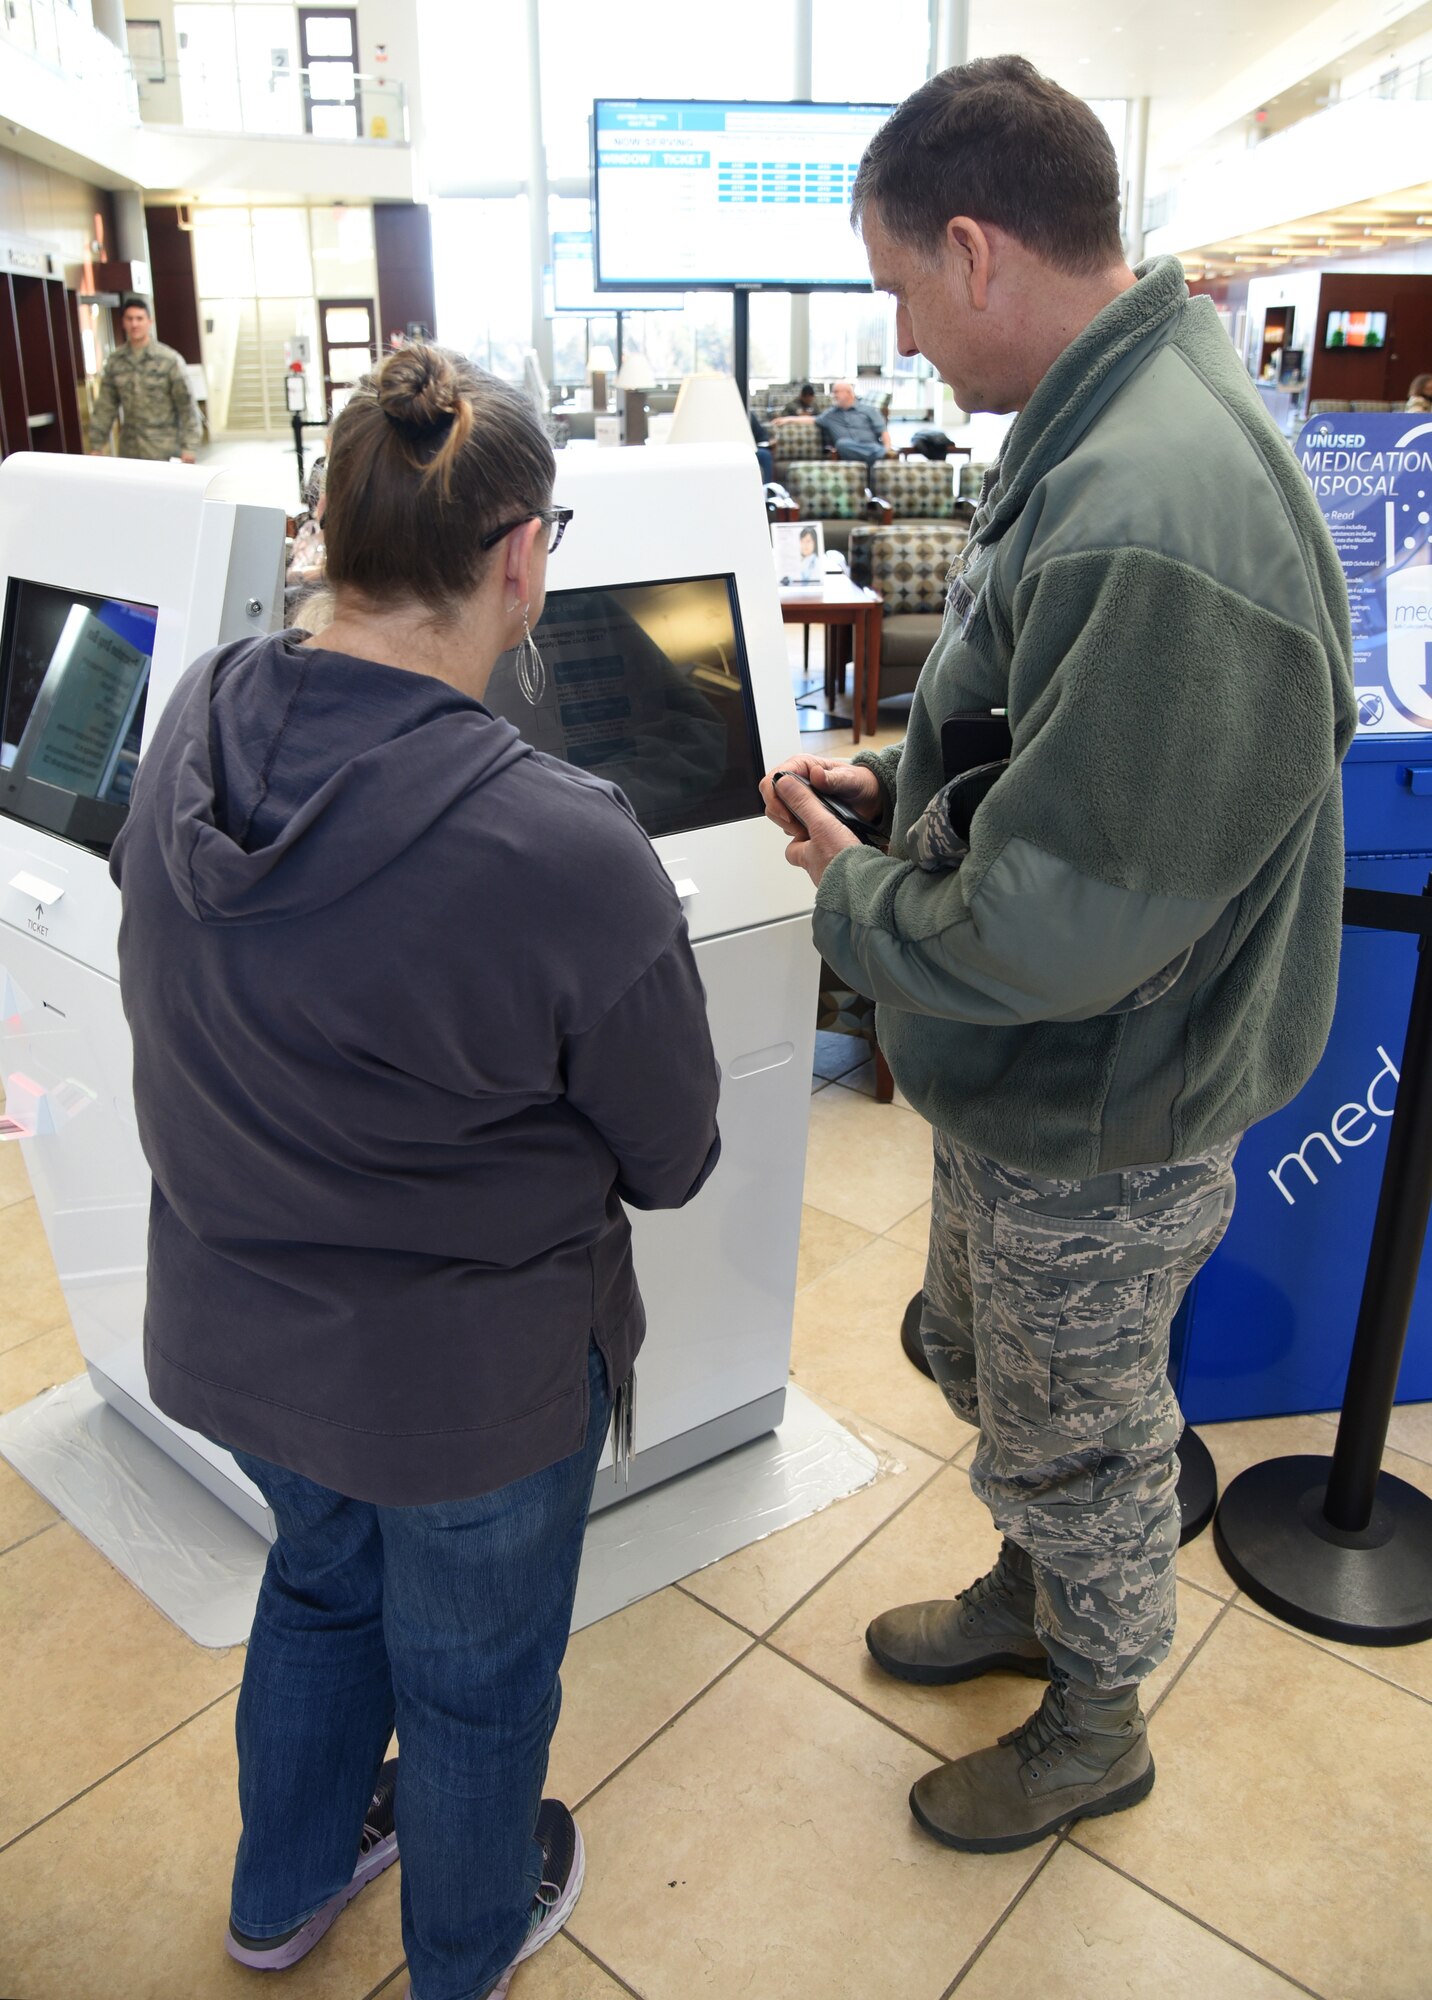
(854, 785)
(818, 837)
(186, 458)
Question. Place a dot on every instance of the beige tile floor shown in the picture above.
(740, 1769)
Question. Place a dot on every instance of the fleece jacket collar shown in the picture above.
(1087, 374)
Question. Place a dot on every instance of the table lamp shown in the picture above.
(601, 362)
(634, 378)
(709, 411)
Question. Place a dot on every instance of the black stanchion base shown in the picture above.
(1197, 1486)
(1197, 1480)
(1370, 1589)
(910, 1336)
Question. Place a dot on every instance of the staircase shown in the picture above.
(258, 362)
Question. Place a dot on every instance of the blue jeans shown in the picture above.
(451, 1621)
(869, 454)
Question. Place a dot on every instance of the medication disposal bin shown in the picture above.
(1267, 1326)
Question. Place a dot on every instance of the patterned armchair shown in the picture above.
(832, 492)
(801, 438)
(912, 565)
(915, 489)
(972, 478)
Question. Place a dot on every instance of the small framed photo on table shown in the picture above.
(799, 551)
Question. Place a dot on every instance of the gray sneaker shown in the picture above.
(1083, 1753)
(986, 1629)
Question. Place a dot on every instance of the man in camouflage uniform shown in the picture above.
(1097, 961)
(146, 385)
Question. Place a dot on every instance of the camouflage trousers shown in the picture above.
(1046, 1321)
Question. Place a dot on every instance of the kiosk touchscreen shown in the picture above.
(666, 673)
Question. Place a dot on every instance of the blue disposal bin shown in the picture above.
(1267, 1327)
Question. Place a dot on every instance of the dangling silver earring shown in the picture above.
(531, 668)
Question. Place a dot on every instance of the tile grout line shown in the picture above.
(1240, 1601)
(879, 1527)
(850, 1554)
(1198, 1645)
(34, 1535)
(386, 1980)
(1003, 1918)
(1160, 1897)
(105, 1777)
(43, 1333)
(844, 1694)
(670, 1722)
(600, 1963)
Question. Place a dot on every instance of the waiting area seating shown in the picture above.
(912, 564)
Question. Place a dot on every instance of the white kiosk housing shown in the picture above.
(666, 672)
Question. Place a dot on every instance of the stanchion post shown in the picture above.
(1335, 1545)
(1398, 1235)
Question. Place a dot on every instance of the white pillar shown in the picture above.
(949, 34)
(538, 235)
(1136, 161)
(802, 85)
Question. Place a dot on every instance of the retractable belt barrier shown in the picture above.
(1337, 1546)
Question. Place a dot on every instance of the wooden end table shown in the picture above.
(838, 601)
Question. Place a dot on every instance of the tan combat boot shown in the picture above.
(989, 1627)
(1083, 1753)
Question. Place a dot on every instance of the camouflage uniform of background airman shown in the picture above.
(148, 389)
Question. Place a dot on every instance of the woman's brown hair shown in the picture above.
(428, 456)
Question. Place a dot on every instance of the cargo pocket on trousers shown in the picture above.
(1020, 1321)
(1084, 1340)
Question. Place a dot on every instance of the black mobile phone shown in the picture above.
(861, 828)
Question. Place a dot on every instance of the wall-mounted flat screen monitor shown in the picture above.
(703, 196)
(648, 687)
(574, 285)
(74, 673)
(1356, 329)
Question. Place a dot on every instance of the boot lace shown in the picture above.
(996, 1582)
(1043, 1740)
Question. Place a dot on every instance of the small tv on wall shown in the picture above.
(1356, 329)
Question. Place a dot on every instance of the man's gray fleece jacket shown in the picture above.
(1150, 591)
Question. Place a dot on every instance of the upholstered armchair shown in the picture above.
(912, 565)
(914, 489)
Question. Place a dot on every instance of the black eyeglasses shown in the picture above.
(555, 517)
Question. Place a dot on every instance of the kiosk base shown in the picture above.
(1372, 1588)
(1197, 1480)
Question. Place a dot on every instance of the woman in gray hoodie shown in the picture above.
(414, 1014)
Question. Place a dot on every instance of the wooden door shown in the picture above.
(1409, 343)
(328, 54)
(348, 332)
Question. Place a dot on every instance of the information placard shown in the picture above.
(1372, 476)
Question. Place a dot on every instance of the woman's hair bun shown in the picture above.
(418, 386)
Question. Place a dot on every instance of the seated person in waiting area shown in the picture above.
(853, 428)
(802, 404)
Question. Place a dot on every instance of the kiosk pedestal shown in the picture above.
(1337, 1546)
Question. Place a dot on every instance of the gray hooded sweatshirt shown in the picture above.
(414, 1011)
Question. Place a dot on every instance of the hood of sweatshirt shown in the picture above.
(281, 776)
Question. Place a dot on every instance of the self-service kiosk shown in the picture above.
(666, 672)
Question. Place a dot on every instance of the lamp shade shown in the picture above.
(600, 361)
(635, 372)
(709, 411)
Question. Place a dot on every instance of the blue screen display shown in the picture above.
(698, 195)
